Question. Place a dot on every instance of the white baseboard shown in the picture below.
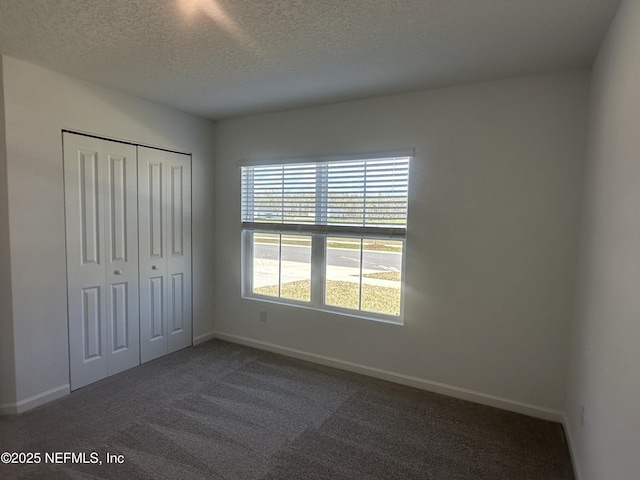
(203, 338)
(35, 400)
(435, 387)
(572, 448)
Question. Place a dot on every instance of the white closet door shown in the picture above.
(123, 306)
(164, 190)
(179, 315)
(102, 260)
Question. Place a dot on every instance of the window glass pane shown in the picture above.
(295, 276)
(342, 285)
(266, 264)
(381, 270)
(305, 202)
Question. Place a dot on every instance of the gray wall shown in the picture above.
(40, 103)
(605, 359)
(7, 366)
(491, 247)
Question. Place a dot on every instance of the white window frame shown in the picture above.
(319, 235)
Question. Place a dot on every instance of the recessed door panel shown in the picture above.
(156, 211)
(153, 317)
(91, 324)
(118, 206)
(176, 303)
(176, 210)
(119, 317)
(90, 217)
(156, 308)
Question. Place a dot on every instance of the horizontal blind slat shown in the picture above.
(364, 193)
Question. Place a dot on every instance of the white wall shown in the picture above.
(7, 371)
(493, 227)
(605, 360)
(40, 103)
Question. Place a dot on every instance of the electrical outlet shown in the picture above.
(582, 416)
(263, 316)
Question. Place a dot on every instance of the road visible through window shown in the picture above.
(282, 266)
(361, 274)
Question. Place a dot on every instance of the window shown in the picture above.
(327, 234)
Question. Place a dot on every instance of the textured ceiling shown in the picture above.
(221, 58)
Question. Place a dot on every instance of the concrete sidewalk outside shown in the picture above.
(265, 274)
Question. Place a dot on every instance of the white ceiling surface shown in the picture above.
(221, 58)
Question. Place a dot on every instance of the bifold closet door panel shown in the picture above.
(123, 305)
(179, 315)
(164, 193)
(102, 261)
(152, 255)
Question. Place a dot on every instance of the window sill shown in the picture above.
(399, 321)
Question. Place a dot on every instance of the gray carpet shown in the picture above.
(223, 411)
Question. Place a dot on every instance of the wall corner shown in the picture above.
(7, 357)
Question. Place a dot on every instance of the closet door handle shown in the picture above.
(118, 272)
(154, 267)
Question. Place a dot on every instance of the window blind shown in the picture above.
(367, 196)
